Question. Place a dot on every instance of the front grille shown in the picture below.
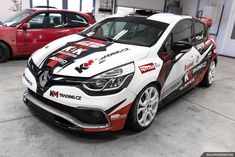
(87, 116)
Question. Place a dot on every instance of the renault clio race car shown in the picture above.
(119, 71)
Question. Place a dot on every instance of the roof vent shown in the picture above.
(147, 12)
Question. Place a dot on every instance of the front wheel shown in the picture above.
(144, 108)
(209, 77)
(4, 52)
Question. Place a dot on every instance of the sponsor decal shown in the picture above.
(188, 79)
(90, 34)
(199, 67)
(60, 60)
(188, 76)
(186, 84)
(118, 116)
(197, 60)
(84, 66)
(146, 68)
(90, 44)
(72, 51)
(190, 65)
(157, 65)
(54, 93)
(57, 94)
(103, 59)
(68, 54)
(29, 82)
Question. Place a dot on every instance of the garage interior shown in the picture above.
(202, 120)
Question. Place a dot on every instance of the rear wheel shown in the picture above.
(144, 108)
(209, 77)
(4, 52)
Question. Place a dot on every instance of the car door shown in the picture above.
(204, 45)
(179, 64)
(42, 29)
(75, 22)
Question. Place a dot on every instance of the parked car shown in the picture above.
(31, 29)
(119, 71)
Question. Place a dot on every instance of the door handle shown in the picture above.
(192, 58)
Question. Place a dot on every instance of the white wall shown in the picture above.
(7, 6)
(225, 28)
(147, 4)
(189, 7)
(143, 4)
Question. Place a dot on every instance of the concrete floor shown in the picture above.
(203, 120)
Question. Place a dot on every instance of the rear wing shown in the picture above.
(207, 21)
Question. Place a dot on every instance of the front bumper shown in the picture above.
(62, 118)
(58, 104)
(58, 116)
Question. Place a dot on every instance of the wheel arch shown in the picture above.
(8, 45)
(216, 60)
(156, 83)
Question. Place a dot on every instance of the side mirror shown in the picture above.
(181, 47)
(25, 26)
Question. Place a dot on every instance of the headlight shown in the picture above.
(111, 80)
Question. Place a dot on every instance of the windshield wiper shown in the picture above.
(103, 38)
(98, 37)
(83, 34)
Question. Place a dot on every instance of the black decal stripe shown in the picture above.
(166, 67)
(114, 107)
(86, 53)
(70, 60)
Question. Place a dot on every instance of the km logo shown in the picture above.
(54, 93)
(84, 66)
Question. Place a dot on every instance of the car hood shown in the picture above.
(78, 56)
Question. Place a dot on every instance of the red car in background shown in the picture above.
(32, 29)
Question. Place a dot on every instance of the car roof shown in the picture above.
(161, 17)
(53, 10)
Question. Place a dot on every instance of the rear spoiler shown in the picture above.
(207, 21)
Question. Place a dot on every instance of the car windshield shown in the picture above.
(17, 18)
(129, 30)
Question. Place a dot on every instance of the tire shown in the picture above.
(146, 107)
(209, 77)
(5, 52)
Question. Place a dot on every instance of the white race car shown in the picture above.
(119, 71)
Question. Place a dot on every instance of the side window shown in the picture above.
(75, 20)
(168, 44)
(183, 31)
(46, 20)
(199, 31)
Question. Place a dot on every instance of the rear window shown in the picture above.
(199, 31)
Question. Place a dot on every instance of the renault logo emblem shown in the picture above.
(43, 78)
